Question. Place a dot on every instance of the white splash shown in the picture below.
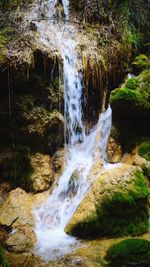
(54, 214)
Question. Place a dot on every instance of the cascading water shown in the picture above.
(53, 215)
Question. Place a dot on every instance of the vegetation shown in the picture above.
(132, 18)
(130, 252)
(141, 62)
(144, 150)
(11, 4)
(5, 36)
(3, 260)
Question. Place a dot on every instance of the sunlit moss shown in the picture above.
(136, 91)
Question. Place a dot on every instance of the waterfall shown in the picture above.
(53, 215)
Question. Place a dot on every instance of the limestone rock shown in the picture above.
(21, 240)
(42, 176)
(17, 221)
(113, 151)
(18, 209)
(115, 205)
(59, 162)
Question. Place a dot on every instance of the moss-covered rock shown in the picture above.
(135, 92)
(116, 205)
(131, 110)
(129, 252)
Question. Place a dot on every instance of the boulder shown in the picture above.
(115, 205)
(17, 209)
(17, 221)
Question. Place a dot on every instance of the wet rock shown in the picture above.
(73, 185)
(59, 162)
(74, 182)
(43, 128)
(114, 152)
(42, 176)
(33, 26)
(116, 205)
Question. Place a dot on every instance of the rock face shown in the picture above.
(42, 176)
(33, 123)
(58, 161)
(115, 205)
(17, 219)
(114, 152)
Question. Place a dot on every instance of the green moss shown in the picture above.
(136, 92)
(131, 83)
(144, 150)
(146, 171)
(129, 252)
(141, 62)
(3, 260)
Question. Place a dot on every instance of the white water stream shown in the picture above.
(54, 214)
